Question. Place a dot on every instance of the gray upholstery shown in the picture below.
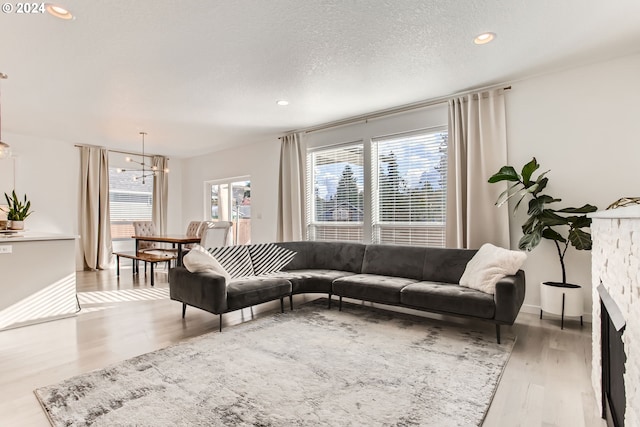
(255, 290)
(206, 291)
(371, 287)
(509, 297)
(448, 298)
(398, 261)
(341, 256)
(446, 265)
(416, 277)
(311, 281)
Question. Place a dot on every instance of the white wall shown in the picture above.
(584, 125)
(48, 170)
(259, 161)
(580, 123)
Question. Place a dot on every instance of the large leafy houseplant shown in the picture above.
(562, 226)
(18, 210)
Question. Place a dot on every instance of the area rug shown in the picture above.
(312, 366)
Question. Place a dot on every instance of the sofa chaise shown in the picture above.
(406, 276)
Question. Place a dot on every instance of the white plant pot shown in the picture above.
(562, 299)
(16, 225)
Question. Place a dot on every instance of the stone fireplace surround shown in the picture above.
(616, 265)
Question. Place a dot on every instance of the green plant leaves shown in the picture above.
(18, 210)
(529, 169)
(583, 209)
(506, 173)
(551, 234)
(544, 222)
(580, 240)
(530, 241)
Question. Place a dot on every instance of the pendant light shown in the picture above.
(146, 170)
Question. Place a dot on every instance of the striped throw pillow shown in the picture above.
(269, 258)
(234, 259)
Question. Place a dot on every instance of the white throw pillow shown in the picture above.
(489, 265)
(200, 260)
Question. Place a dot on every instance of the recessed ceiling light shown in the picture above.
(58, 11)
(282, 102)
(484, 38)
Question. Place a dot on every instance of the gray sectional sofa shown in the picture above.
(406, 276)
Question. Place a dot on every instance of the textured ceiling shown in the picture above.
(203, 75)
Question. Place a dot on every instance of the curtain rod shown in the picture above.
(119, 151)
(391, 111)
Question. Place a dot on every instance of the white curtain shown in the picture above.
(160, 194)
(477, 149)
(95, 227)
(291, 218)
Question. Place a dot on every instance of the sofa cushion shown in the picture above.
(391, 260)
(235, 260)
(490, 264)
(269, 258)
(311, 280)
(248, 291)
(448, 298)
(445, 265)
(342, 256)
(371, 287)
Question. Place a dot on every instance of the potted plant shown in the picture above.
(564, 227)
(18, 210)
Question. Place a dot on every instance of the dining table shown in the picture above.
(177, 240)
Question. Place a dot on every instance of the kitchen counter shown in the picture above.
(38, 278)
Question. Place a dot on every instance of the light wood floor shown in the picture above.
(546, 382)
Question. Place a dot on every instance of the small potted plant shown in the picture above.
(564, 227)
(18, 210)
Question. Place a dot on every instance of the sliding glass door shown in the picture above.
(230, 200)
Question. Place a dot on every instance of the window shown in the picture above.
(230, 200)
(409, 173)
(335, 193)
(129, 201)
(390, 191)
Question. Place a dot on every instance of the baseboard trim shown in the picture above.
(535, 309)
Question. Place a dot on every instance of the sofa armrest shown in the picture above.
(509, 297)
(207, 291)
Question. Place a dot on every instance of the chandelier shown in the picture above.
(145, 169)
(5, 149)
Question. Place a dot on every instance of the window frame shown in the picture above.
(310, 200)
(369, 157)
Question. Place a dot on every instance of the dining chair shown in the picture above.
(194, 229)
(145, 228)
(215, 234)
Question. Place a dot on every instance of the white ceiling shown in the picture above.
(202, 75)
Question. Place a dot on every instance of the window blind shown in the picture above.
(409, 188)
(129, 201)
(335, 193)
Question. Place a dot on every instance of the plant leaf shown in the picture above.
(551, 234)
(530, 241)
(541, 185)
(504, 196)
(549, 218)
(506, 173)
(579, 221)
(529, 169)
(583, 209)
(524, 193)
(581, 240)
